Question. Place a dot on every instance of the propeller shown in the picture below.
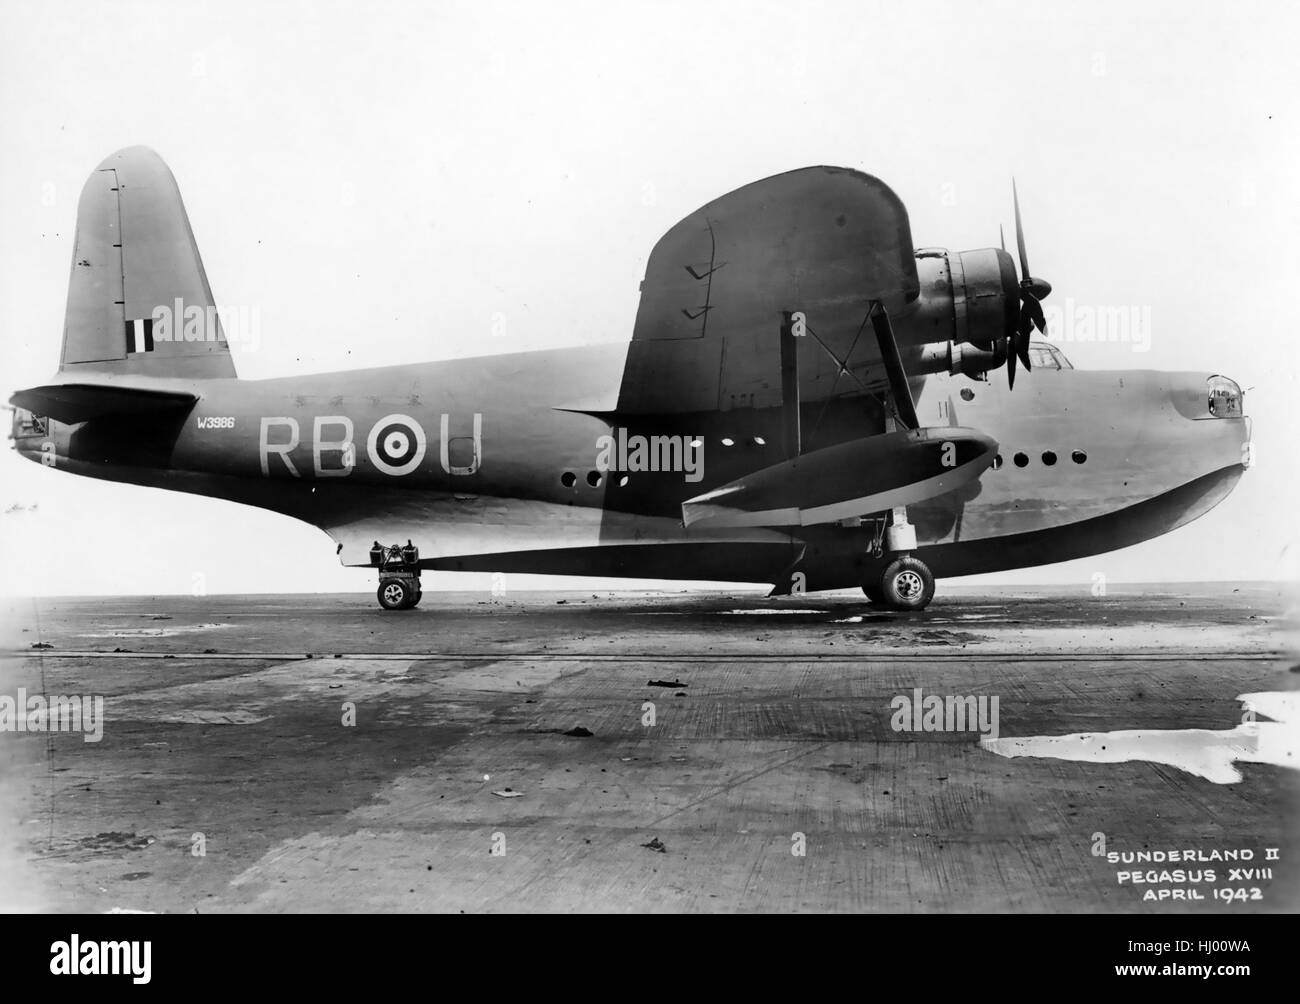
(1032, 291)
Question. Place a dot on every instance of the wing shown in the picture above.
(822, 240)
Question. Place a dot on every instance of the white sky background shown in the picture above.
(380, 179)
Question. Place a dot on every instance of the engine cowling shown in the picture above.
(967, 312)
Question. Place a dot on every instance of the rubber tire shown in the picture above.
(902, 573)
(875, 595)
(393, 594)
(415, 601)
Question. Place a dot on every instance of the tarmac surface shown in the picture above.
(314, 753)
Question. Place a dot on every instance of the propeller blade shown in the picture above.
(1022, 348)
(1031, 292)
(1020, 235)
(1031, 307)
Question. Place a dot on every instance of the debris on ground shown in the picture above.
(579, 732)
(116, 840)
(666, 683)
(508, 793)
(656, 844)
(41, 644)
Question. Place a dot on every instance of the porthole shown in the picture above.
(728, 442)
(1020, 460)
(1079, 457)
(568, 479)
(760, 441)
(594, 479)
(1049, 458)
(622, 482)
(967, 394)
(997, 461)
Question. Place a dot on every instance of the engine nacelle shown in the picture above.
(961, 357)
(969, 298)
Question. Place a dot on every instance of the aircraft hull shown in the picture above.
(1132, 457)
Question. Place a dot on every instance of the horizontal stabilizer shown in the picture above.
(80, 402)
(847, 480)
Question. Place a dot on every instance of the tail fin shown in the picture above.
(138, 300)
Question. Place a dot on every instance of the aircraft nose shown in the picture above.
(1216, 429)
(1226, 402)
(1201, 396)
(1224, 417)
(1224, 397)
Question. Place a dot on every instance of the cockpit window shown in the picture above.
(1042, 359)
(1048, 357)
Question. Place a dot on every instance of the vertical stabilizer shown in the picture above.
(138, 299)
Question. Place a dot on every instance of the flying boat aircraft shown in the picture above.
(806, 401)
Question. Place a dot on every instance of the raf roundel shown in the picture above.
(396, 444)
